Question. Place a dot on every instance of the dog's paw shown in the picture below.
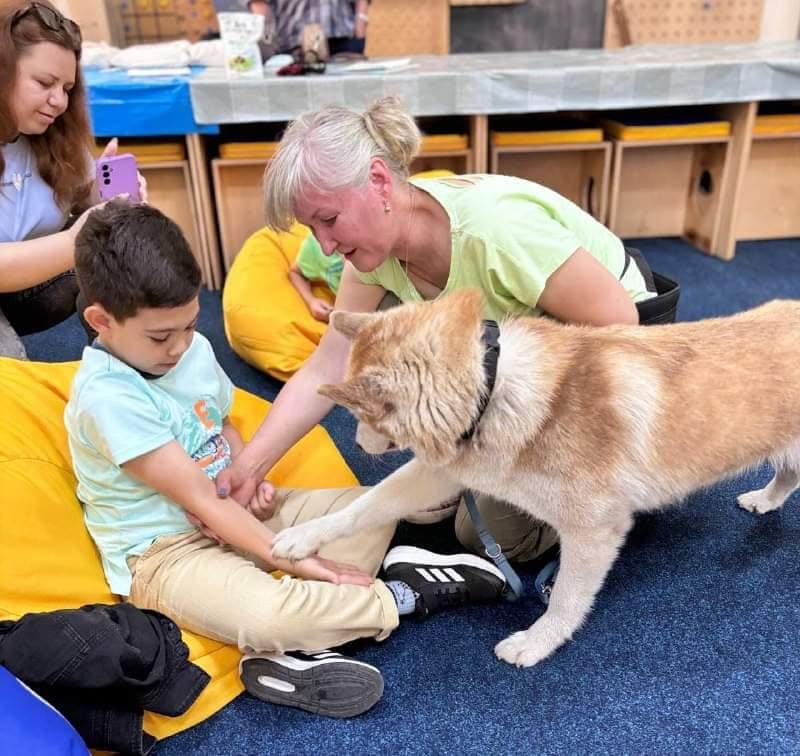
(757, 501)
(298, 542)
(523, 649)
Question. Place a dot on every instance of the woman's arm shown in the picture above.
(298, 407)
(171, 471)
(583, 290)
(27, 263)
(233, 436)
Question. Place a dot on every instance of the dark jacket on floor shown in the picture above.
(101, 666)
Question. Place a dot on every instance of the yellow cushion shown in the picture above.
(626, 132)
(546, 136)
(47, 559)
(266, 321)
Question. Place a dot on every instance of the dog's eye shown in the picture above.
(388, 408)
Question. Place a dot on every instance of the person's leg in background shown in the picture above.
(35, 309)
(10, 343)
(521, 537)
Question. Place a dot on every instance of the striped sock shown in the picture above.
(404, 595)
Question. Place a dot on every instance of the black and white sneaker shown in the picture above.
(443, 580)
(323, 682)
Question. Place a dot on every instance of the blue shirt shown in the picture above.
(114, 414)
(28, 207)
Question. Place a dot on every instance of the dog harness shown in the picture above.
(491, 341)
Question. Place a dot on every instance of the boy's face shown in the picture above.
(152, 340)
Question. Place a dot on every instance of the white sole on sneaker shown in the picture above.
(337, 687)
(413, 555)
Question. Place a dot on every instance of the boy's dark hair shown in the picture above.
(132, 256)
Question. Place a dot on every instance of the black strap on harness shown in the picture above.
(514, 588)
(491, 341)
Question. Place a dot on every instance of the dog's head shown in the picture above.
(415, 375)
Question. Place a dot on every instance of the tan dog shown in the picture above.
(584, 427)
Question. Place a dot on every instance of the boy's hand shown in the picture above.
(321, 310)
(261, 506)
(319, 568)
(262, 503)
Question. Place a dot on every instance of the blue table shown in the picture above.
(139, 106)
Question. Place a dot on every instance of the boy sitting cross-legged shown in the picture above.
(148, 430)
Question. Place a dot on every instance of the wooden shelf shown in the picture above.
(170, 189)
(770, 195)
(579, 171)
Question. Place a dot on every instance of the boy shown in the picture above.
(148, 430)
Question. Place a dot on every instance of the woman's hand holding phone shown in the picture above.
(118, 174)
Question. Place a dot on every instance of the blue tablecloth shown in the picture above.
(125, 106)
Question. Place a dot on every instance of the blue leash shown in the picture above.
(514, 588)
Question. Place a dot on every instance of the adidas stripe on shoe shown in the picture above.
(323, 682)
(443, 580)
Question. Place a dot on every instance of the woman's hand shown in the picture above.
(78, 225)
(142, 187)
(109, 151)
(239, 482)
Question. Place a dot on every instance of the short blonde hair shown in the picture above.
(333, 148)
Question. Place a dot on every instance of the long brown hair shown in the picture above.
(62, 151)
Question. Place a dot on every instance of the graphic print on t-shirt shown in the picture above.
(201, 434)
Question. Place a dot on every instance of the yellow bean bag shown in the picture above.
(266, 321)
(48, 560)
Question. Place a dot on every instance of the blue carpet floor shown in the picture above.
(692, 648)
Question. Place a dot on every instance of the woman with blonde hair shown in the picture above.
(528, 249)
(45, 165)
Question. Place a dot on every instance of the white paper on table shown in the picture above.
(182, 71)
(371, 66)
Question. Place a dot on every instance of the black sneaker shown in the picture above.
(322, 682)
(443, 580)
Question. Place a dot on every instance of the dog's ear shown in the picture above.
(337, 392)
(364, 392)
(349, 323)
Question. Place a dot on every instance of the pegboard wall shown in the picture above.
(681, 21)
(401, 27)
(145, 21)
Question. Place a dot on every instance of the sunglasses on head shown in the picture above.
(51, 19)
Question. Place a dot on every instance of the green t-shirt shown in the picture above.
(315, 265)
(509, 235)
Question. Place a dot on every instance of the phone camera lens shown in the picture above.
(107, 181)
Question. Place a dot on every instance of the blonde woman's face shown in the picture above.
(45, 77)
(351, 222)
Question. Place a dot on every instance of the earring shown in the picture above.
(386, 208)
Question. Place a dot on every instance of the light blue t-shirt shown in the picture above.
(115, 414)
(28, 207)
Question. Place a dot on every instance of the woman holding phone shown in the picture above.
(46, 170)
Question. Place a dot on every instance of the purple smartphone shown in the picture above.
(118, 175)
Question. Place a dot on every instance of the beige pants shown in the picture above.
(520, 536)
(222, 594)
